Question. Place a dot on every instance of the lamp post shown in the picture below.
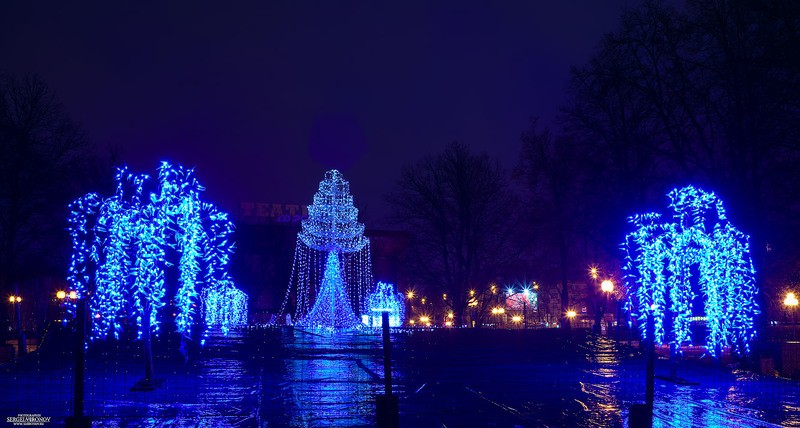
(22, 348)
(607, 286)
(409, 298)
(791, 303)
(571, 315)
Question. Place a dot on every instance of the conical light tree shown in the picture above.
(332, 307)
(332, 265)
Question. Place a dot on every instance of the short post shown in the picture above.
(78, 420)
(650, 381)
(388, 412)
(641, 415)
(22, 346)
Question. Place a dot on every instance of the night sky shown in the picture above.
(263, 97)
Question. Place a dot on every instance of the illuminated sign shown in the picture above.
(279, 213)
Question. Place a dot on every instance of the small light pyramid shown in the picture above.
(332, 307)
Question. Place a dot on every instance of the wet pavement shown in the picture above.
(457, 378)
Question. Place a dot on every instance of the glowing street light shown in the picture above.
(571, 314)
(410, 294)
(60, 294)
(790, 300)
(593, 272)
(21, 345)
(450, 315)
(73, 294)
(424, 319)
(516, 318)
(607, 286)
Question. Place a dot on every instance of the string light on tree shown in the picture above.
(384, 299)
(332, 267)
(128, 240)
(660, 258)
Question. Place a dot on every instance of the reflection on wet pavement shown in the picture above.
(284, 377)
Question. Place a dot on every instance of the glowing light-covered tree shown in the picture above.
(82, 220)
(332, 308)
(332, 266)
(384, 299)
(661, 258)
(224, 308)
(127, 239)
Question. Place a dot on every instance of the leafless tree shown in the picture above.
(43, 157)
(460, 215)
(708, 94)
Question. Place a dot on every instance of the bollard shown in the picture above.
(650, 375)
(387, 406)
(78, 420)
(639, 416)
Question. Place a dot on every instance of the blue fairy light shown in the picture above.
(384, 299)
(123, 242)
(661, 258)
(332, 268)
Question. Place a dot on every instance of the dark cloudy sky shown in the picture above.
(262, 97)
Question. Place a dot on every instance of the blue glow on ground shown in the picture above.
(323, 379)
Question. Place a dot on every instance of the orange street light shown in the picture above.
(790, 300)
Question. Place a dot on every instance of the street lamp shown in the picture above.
(790, 302)
(21, 345)
(607, 287)
(410, 304)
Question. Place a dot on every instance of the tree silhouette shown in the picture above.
(43, 156)
(460, 214)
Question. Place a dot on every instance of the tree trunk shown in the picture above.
(565, 322)
(673, 361)
(147, 345)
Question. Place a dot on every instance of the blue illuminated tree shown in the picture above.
(699, 246)
(332, 265)
(384, 299)
(82, 221)
(123, 245)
